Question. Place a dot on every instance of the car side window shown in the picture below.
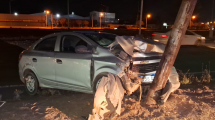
(189, 33)
(74, 44)
(47, 44)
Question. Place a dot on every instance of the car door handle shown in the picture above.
(59, 61)
(34, 59)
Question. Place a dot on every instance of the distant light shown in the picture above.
(115, 28)
(47, 12)
(15, 13)
(73, 13)
(101, 14)
(148, 16)
(164, 36)
(202, 23)
(44, 11)
(210, 22)
(118, 19)
(57, 15)
(194, 17)
(164, 24)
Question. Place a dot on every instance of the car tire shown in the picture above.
(97, 81)
(31, 83)
(198, 43)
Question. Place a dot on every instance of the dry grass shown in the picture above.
(188, 78)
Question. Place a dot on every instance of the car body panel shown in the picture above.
(74, 70)
(105, 61)
(44, 66)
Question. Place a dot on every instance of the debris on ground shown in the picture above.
(185, 105)
(17, 94)
(182, 104)
(1, 102)
(108, 97)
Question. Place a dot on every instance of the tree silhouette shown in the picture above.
(86, 23)
(79, 22)
(63, 21)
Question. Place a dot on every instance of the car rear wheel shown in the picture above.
(31, 83)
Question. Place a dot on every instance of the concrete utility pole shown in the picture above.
(212, 20)
(172, 48)
(68, 13)
(92, 20)
(52, 21)
(141, 17)
(10, 5)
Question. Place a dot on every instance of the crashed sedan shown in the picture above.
(77, 61)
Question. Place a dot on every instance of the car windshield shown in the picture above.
(102, 39)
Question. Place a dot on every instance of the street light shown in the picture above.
(101, 15)
(47, 12)
(193, 18)
(15, 13)
(147, 16)
(165, 24)
(57, 15)
(10, 5)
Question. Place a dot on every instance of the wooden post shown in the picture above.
(172, 48)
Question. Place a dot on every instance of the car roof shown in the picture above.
(82, 32)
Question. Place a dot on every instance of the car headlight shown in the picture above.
(156, 40)
(203, 38)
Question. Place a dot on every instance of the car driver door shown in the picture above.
(73, 63)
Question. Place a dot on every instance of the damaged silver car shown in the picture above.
(77, 61)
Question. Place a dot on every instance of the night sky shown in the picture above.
(161, 10)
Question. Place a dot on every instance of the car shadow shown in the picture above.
(9, 74)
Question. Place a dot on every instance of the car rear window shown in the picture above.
(47, 44)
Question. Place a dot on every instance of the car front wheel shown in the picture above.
(198, 43)
(31, 83)
(97, 81)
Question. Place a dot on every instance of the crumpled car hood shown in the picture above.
(148, 45)
(126, 43)
(130, 43)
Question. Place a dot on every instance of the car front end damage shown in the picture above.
(137, 68)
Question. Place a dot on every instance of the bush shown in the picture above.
(191, 79)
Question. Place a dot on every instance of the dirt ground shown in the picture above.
(190, 104)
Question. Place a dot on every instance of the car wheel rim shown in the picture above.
(30, 83)
(198, 43)
(97, 84)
